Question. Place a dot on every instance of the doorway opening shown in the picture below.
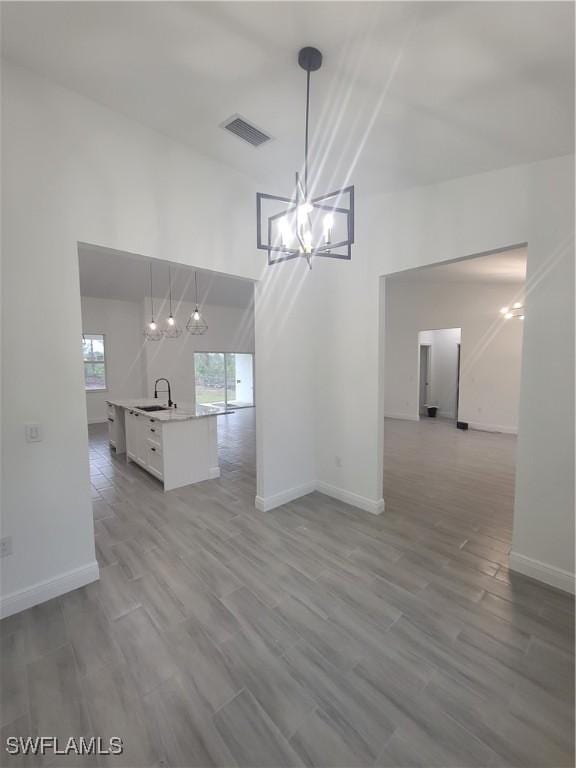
(452, 341)
(439, 373)
(224, 379)
(154, 431)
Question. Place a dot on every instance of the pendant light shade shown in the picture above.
(152, 332)
(171, 331)
(196, 325)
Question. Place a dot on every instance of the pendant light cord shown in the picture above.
(306, 135)
(196, 287)
(170, 288)
(151, 299)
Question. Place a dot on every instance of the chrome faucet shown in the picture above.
(170, 403)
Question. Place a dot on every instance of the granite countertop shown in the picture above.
(183, 412)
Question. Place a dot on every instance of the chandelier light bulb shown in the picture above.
(517, 305)
(505, 310)
(520, 317)
(196, 314)
(328, 224)
(285, 230)
(303, 211)
(508, 315)
(152, 325)
(307, 238)
(170, 320)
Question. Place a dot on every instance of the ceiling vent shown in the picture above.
(246, 131)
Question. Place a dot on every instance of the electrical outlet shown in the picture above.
(6, 546)
(33, 433)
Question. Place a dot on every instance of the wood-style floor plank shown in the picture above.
(316, 634)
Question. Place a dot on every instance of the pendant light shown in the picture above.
(302, 225)
(196, 325)
(171, 331)
(152, 332)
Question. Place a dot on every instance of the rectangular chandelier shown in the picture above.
(289, 228)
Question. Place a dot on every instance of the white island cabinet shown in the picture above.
(177, 446)
(116, 433)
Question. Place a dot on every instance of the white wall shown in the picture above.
(121, 323)
(443, 382)
(82, 173)
(230, 329)
(532, 203)
(491, 351)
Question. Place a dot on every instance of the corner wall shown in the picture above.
(531, 204)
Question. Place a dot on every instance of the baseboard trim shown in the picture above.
(266, 503)
(492, 428)
(375, 507)
(534, 569)
(402, 416)
(46, 590)
(102, 420)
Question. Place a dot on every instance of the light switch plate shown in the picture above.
(33, 433)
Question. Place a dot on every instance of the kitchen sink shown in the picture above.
(150, 408)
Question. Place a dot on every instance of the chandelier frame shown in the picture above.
(310, 59)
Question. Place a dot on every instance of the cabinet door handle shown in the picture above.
(152, 429)
(153, 449)
(109, 419)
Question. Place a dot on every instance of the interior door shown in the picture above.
(424, 377)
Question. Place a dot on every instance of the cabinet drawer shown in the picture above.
(154, 445)
(155, 461)
(154, 431)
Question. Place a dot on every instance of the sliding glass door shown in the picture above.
(224, 379)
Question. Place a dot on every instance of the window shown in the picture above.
(94, 361)
(224, 379)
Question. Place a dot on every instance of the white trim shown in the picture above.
(99, 420)
(46, 590)
(549, 574)
(403, 416)
(491, 427)
(375, 507)
(266, 503)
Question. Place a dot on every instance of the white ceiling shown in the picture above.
(110, 274)
(409, 93)
(503, 267)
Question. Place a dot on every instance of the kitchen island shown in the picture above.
(177, 445)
